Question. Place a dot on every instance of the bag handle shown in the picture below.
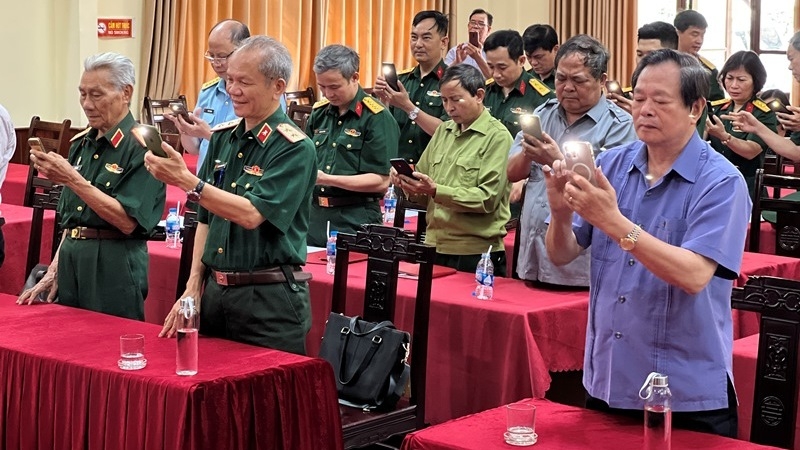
(376, 341)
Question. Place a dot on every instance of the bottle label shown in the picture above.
(389, 203)
(483, 278)
(330, 249)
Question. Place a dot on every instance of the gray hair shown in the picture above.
(274, 58)
(468, 76)
(595, 55)
(337, 57)
(120, 68)
(795, 41)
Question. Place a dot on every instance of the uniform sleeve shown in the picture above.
(767, 118)
(380, 143)
(206, 172)
(141, 195)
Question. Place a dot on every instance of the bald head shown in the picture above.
(223, 39)
(232, 30)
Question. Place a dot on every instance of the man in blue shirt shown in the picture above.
(666, 222)
(480, 22)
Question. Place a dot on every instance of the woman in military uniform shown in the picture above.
(743, 76)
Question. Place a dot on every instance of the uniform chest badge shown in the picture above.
(321, 131)
(434, 93)
(114, 168)
(519, 110)
(254, 170)
(352, 132)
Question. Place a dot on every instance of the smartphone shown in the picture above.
(580, 159)
(776, 105)
(613, 87)
(390, 75)
(402, 167)
(473, 39)
(150, 138)
(36, 143)
(711, 115)
(179, 110)
(530, 124)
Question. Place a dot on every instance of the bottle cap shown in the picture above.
(655, 379)
(173, 210)
(660, 381)
(334, 233)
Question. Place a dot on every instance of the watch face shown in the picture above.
(627, 244)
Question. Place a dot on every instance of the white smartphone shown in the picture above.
(530, 124)
(579, 158)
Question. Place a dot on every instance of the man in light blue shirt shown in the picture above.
(579, 112)
(480, 22)
(666, 222)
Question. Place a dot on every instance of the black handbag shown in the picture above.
(369, 361)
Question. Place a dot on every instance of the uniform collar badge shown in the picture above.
(114, 168)
(117, 137)
(522, 87)
(254, 170)
(263, 133)
(439, 72)
(352, 132)
(359, 108)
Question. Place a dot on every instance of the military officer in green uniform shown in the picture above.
(355, 136)
(109, 204)
(691, 26)
(417, 105)
(541, 46)
(744, 76)
(512, 91)
(253, 194)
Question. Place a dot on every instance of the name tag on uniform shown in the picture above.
(208, 110)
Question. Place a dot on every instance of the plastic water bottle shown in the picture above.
(173, 228)
(484, 278)
(389, 206)
(657, 412)
(186, 356)
(330, 251)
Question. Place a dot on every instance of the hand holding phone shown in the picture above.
(150, 138)
(579, 159)
(473, 39)
(776, 105)
(530, 124)
(613, 87)
(711, 116)
(179, 110)
(390, 75)
(403, 167)
(36, 143)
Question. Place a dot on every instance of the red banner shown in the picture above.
(116, 28)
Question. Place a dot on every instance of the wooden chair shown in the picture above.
(787, 226)
(386, 247)
(404, 204)
(775, 395)
(54, 135)
(42, 195)
(304, 97)
(299, 114)
(153, 114)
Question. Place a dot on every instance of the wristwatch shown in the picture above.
(194, 194)
(414, 113)
(628, 242)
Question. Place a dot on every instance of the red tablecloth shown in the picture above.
(558, 427)
(745, 352)
(16, 232)
(61, 389)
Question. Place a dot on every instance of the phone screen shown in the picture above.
(180, 110)
(580, 159)
(36, 143)
(776, 105)
(390, 74)
(473, 39)
(402, 167)
(613, 87)
(150, 138)
(711, 115)
(530, 124)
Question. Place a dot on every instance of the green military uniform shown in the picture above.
(362, 140)
(527, 94)
(713, 80)
(272, 166)
(764, 115)
(795, 137)
(109, 275)
(549, 81)
(424, 93)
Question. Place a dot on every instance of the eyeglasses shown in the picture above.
(475, 24)
(216, 59)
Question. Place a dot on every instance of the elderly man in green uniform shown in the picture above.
(417, 106)
(253, 217)
(691, 26)
(109, 204)
(462, 177)
(355, 136)
(512, 91)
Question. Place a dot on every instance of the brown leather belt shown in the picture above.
(96, 233)
(264, 276)
(333, 202)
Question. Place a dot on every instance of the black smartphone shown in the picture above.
(613, 87)
(36, 143)
(390, 75)
(473, 39)
(402, 167)
(530, 124)
(579, 158)
(150, 138)
(711, 115)
(776, 105)
(179, 110)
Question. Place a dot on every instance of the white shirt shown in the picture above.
(8, 143)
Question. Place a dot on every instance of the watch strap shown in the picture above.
(194, 194)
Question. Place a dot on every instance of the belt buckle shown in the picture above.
(222, 278)
(323, 201)
(75, 233)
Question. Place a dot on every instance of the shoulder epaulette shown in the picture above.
(489, 81)
(81, 134)
(320, 103)
(291, 133)
(405, 71)
(761, 105)
(721, 101)
(540, 87)
(372, 105)
(226, 125)
(210, 83)
(706, 63)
